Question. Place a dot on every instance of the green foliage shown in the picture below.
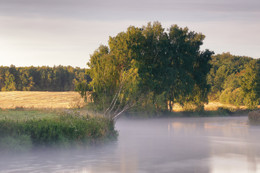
(225, 71)
(250, 84)
(67, 128)
(82, 87)
(103, 76)
(9, 82)
(230, 96)
(148, 66)
(150, 105)
(57, 78)
(20, 114)
(235, 80)
(224, 111)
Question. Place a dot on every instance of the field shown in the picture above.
(40, 100)
(57, 100)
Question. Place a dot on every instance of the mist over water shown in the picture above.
(165, 145)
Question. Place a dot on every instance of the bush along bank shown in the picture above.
(254, 117)
(64, 130)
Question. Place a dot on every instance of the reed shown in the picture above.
(67, 128)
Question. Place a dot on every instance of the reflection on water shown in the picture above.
(166, 145)
(234, 146)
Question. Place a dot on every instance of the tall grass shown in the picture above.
(65, 129)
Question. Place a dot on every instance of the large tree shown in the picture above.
(150, 61)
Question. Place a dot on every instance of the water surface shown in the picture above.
(165, 145)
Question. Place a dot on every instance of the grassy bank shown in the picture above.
(61, 100)
(220, 112)
(25, 129)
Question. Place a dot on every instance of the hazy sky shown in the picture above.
(66, 32)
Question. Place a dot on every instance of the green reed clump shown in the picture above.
(60, 130)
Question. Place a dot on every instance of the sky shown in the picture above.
(67, 32)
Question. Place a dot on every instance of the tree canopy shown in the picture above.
(152, 65)
(235, 80)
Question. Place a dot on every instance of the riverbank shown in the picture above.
(220, 144)
(70, 99)
(221, 112)
(26, 129)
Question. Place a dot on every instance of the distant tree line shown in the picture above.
(57, 78)
(235, 80)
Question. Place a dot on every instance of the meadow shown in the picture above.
(70, 99)
(40, 119)
(40, 100)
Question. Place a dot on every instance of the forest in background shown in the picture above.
(227, 78)
(234, 80)
(149, 68)
(57, 78)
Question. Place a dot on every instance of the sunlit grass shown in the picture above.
(60, 100)
(23, 115)
(40, 100)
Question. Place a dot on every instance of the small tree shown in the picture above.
(126, 96)
(82, 88)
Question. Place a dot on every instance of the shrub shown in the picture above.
(230, 96)
(224, 111)
(254, 116)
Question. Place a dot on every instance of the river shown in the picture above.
(163, 145)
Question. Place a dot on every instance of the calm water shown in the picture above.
(166, 145)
